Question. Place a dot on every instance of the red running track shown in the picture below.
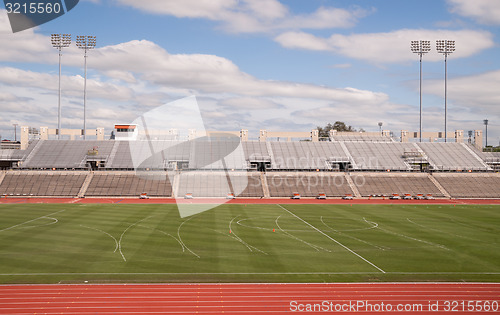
(364, 298)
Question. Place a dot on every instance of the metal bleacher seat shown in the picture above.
(284, 184)
(378, 156)
(219, 184)
(51, 184)
(451, 157)
(370, 184)
(156, 184)
(466, 185)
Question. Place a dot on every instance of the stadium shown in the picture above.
(236, 218)
(134, 198)
(222, 164)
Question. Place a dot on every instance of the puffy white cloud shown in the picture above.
(391, 47)
(479, 91)
(249, 16)
(483, 11)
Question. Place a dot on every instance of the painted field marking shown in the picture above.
(409, 237)
(236, 237)
(180, 238)
(317, 248)
(125, 231)
(29, 221)
(247, 273)
(334, 240)
(353, 237)
(98, 230)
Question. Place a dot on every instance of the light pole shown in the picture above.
(86, 43)
(60, 41)
(15, 132)
(420, 47)
(445, 47)
(486, 134)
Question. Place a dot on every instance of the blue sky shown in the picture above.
(259, 64)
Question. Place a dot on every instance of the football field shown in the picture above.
(99, 243)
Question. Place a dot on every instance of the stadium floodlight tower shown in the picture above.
(486, 134)
(420, 47)
(86, 43)
(445, 47)
(60, 41)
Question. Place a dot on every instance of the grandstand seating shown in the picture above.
(370, 184)
(465, 185)
(452, 156)
(215, 184)
(285, 184)
(379, 156)
(275, 168)
(55, 184)
(65, 154)
(305, 155)
(155, 184)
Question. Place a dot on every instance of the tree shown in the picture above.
(339, 126)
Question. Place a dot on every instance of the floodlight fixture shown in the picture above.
(420, 47)
(60, 41)
(445, 47)
(86, 43)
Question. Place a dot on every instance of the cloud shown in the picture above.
(251, 16)
(249, 103)
(207, 74)
(478, 91)
(482, 11)
(392, 47)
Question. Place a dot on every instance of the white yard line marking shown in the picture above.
(98, 230)
(334, 240)
(180, 238)
(29, 221)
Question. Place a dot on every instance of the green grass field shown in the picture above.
(51, 243)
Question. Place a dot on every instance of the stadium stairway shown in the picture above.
(85, 185)
(263, 180)
(2, 176)
(439, 186)
(352, 186)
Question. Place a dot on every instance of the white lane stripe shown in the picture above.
(250, 273)
(43, 216)
(334, 240)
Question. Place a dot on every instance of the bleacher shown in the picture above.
(285, 184)
(452, 157)
(305, 155)
(53, 183)
(379, 156)
(376, 184)
(219, 184)
(215, 167)
(475, 185)
(155, 184)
